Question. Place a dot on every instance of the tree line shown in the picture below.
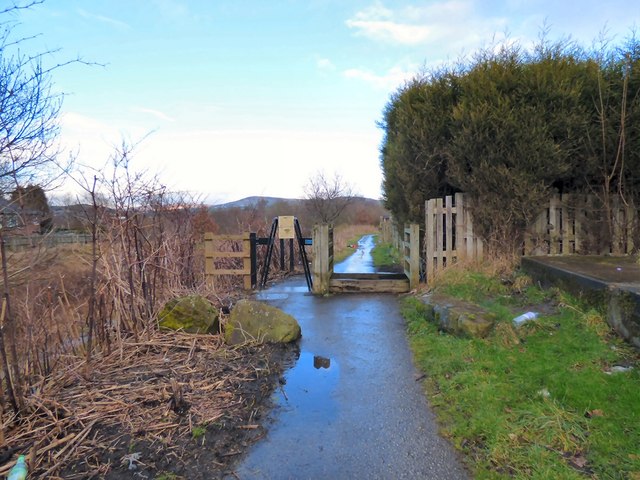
(512, 126)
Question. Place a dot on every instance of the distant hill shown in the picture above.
(251, 201)
(270, 201)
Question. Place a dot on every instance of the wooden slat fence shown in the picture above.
(386, 230)
(577, 224)
(449, 234)
(222, 252)
(18, 242)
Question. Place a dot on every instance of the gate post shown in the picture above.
(322, 258)
(412, 254)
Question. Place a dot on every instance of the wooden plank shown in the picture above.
(226, 255)
(449, 229)
(439, 233)
(369, 276)
(414, 255)
(225, 238)
(577, 223)
(553, 225)
(459, 244)
(208, 247)
(566, 227)
(209, 266)
(231, 271)
(246, 261)
(369, 286)
(469, 238)
(429, 236)
(322, 266)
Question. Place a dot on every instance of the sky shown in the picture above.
(233, 98)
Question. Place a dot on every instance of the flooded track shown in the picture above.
(351, 407)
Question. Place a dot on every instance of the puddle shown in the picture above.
(272, 296)
(310, 385)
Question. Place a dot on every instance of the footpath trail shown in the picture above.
(351, 407)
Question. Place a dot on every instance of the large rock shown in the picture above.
(256, 321)
(192, 314)
(458, 317)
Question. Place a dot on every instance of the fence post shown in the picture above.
(246, 260)
(412, 254)
(253, 258)
(430, 238)
(459, 245)
(322, 259)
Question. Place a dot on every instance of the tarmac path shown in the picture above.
(351, 407)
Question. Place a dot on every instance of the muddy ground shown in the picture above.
(170, 407)
(211, 451)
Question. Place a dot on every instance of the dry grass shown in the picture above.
(497, 267)
(156, 389)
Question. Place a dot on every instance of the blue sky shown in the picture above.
(229, 99)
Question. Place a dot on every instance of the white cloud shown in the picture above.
(101, 18)
(156, 113)
(392, 79)
(388, 31)
(449, 25)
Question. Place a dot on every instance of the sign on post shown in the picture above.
(285, 227)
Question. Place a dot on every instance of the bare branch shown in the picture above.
(328, 197)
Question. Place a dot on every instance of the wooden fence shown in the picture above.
(571, 224)
(449, 234)
(219, 249)
(17, 242)
(574, 224)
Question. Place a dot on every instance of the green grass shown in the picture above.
(534, 402)
(384, 254)
(168, 476)
(198, 432)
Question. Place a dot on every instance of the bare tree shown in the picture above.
(28, 132)
(29, 109)
(328, 196)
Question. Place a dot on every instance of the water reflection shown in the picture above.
(309, 387)
(321, 362)
(359, 261)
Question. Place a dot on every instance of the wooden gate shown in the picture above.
(327, 281)
(231, 255)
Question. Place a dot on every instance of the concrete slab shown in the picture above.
(609, 281)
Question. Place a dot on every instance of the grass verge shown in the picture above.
(537, 402)
(385, 255)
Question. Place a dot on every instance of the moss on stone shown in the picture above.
(256, 321)
(192, 314)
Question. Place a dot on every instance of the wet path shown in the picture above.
(361, 260)
(351, 407)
